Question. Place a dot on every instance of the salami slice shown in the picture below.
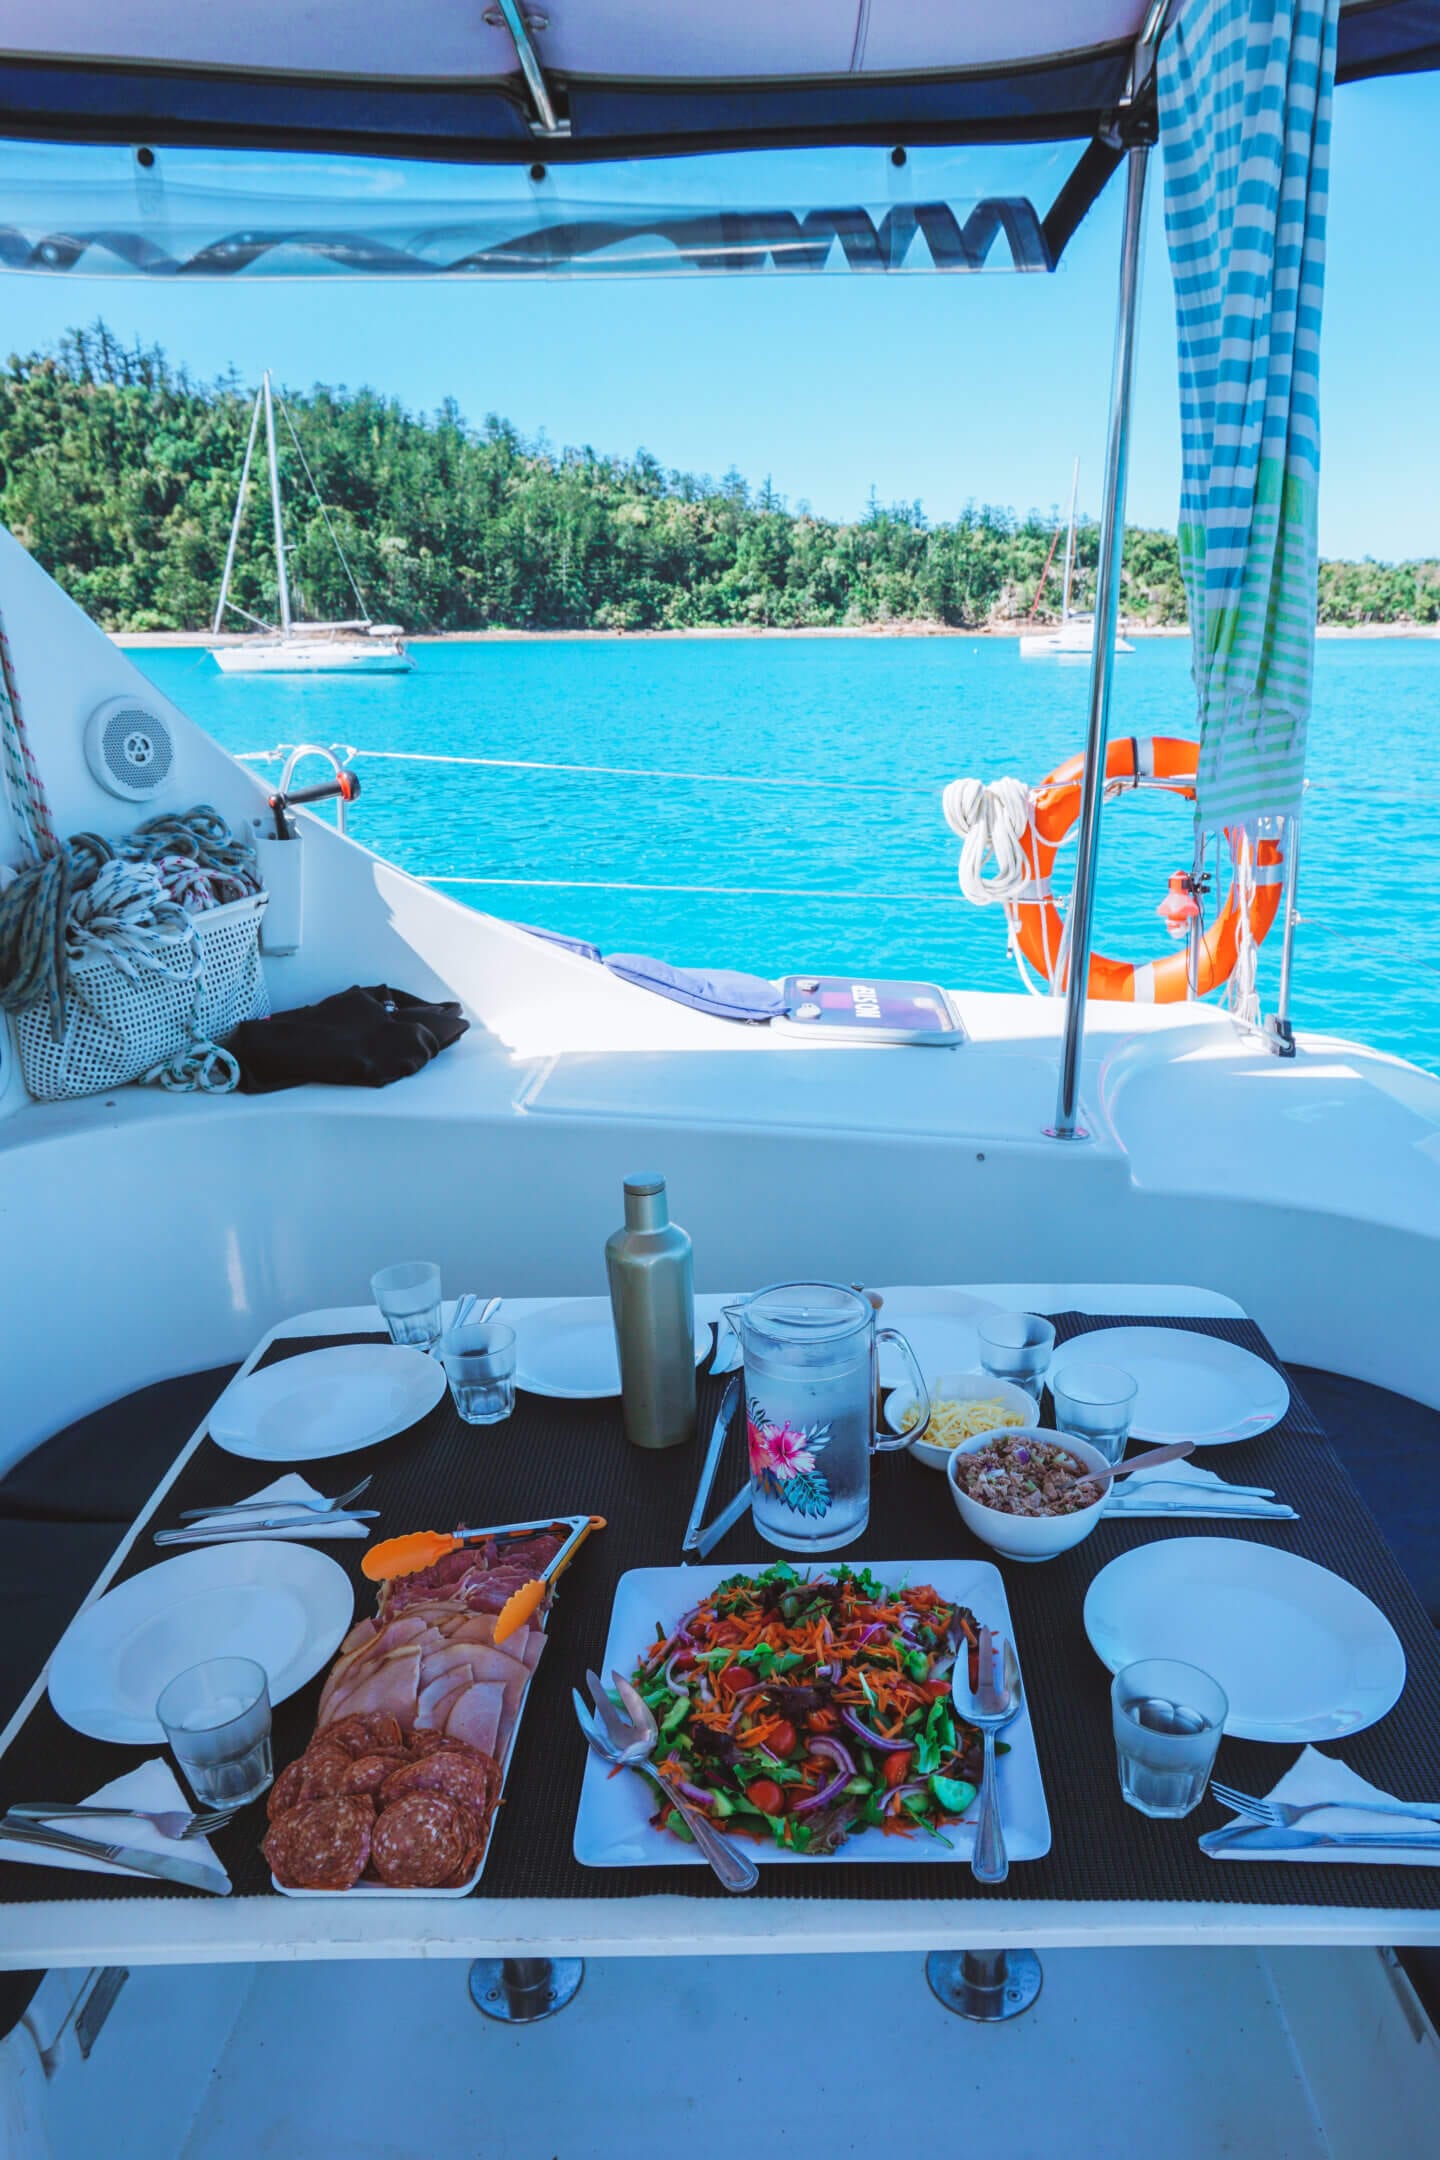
(423, 1741)
(361, 1732)
(322, 1844)
(476, 1833)
(326, 1769)
(465, 1777)
(287, 1791)
(367, 1773)
(419, 1842)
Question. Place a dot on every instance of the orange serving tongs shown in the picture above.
(522, 1603)
(397, 1556)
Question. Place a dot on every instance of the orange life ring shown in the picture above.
(1166, 761)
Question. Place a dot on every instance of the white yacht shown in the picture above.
(357, 647)
(1132, 1161)
(1074, 635)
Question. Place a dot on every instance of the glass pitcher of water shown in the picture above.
(810, 1394)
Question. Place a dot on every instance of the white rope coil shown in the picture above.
(992, 821)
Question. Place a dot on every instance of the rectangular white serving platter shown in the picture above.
(613, 1828)
(388, 1890)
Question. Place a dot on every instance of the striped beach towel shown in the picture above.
(1245, 92)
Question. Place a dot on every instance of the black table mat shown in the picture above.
(572, 1457)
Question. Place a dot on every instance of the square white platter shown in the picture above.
(613, 1829)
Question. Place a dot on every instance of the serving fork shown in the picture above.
(171, 1823)
(993, 1701)
(1284, 1814)
(626, 1739)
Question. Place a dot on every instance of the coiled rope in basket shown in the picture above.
(134, 906)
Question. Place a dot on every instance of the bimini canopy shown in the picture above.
(592, 79)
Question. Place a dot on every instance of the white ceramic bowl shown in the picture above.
(958, 1387)
(1027, 1537)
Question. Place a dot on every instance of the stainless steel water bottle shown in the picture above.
(652, 1298)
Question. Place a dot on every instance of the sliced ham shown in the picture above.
(534, 1644)
(362, 1633)
(393, 1685)
(438, 1697)
(477, 1716)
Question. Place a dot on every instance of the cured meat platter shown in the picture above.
(398, 1791)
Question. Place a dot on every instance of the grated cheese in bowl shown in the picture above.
(951, 1421)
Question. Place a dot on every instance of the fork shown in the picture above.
(627, 1741)
(170, 1823)
(280, 1507)
(1284, 1814)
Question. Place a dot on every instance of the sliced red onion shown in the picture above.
(876, 1627)
(676, 1686)
(827, 1792)
(902, 1791)
(834, 1751)
(888, 1747)
(740, 1700)
(695, 1793)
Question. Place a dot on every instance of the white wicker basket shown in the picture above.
(116, 1029)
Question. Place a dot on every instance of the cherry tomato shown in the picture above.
(734, 1678)
(897, 1767)
(767, 1796)
(782, 1739)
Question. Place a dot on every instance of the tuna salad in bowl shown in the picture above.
(1028, 1494)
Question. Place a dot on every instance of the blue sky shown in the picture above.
(944, 389)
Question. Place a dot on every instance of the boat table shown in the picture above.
(1112, 1877)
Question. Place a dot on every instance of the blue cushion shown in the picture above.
(721, 991)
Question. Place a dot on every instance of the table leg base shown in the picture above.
(522, 1991)
(987, 1986)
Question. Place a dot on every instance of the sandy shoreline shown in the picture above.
(141, 639)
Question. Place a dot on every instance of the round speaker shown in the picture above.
(129, 748)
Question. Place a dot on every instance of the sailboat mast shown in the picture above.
(1069, 543)
(281, 575)
(219, 622)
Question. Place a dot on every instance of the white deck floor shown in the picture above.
(1185, 2053)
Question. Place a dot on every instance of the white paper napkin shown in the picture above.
(1313, 1776)
(1158, 1492)
(291, 1488)
(153, 1785)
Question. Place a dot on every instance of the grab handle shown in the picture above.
(886, 1444)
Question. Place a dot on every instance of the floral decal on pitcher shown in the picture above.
(782, 1461)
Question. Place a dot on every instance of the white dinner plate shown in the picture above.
(613, 1826)
(287, 1606)
(569, 1350)
(939, 1325)
(326, 1402)
(1301, 1653)
(1191, 1387)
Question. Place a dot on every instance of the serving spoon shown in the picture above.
(1149, 1461)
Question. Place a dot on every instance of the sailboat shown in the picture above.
(356, 647)
(1074, 635)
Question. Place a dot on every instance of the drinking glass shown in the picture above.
(408, 1296)
(1096, 1403)
(1168, 1719)
(217, 1719)
(479, 1363)
(1017, 1346)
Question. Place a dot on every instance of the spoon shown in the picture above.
(1149, 1461)
(991, 1704)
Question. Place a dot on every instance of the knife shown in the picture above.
(136, 1857)
(1260, 1837)
(712, 1463)
(234, 1533)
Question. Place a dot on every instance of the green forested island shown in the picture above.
(118, 472)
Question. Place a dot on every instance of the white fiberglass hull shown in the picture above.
(1073, 640)
(314, 656)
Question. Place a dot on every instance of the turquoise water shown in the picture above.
(858, 872)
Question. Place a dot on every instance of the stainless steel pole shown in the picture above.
(1102, 659)
(1279, 1033)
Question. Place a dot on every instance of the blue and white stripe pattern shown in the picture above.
(1245, 90)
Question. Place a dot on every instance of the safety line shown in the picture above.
(629, 772)
(739, 892)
